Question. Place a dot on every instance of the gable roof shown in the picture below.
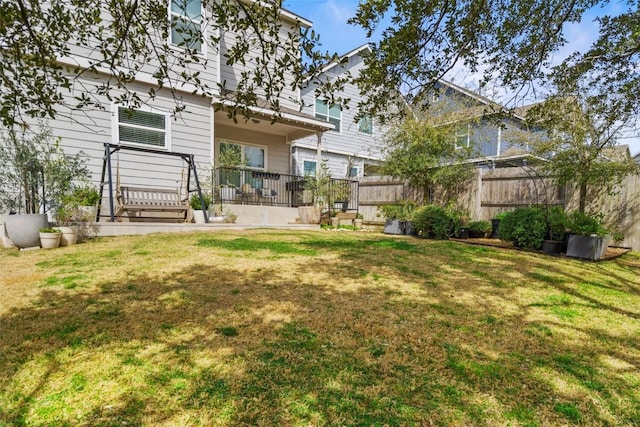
(518, 112)
(329, 65)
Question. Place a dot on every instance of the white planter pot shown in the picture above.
(86, 213)
(198, 216)
(50, 240)
(69, 235)
(23, 229)
(309, 214)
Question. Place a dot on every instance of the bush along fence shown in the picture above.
(491, 192)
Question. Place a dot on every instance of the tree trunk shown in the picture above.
(583, 198)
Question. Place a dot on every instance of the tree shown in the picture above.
(580, 134)
(426, 156)
(121, 38)
(509, 42)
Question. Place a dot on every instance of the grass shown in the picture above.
(315, 328)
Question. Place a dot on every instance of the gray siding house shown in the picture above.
(202, 129)
(352, 148)
(486, 127)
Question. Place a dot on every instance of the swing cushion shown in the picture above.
(150, 199)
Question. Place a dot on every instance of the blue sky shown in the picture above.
(330, 17)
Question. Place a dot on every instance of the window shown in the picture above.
(242, 155)
(309, 168)
(353, 172)
(331, 114)
(232, 156)
(186, 23)
(462, 137)
(365, 125)
(142, 128)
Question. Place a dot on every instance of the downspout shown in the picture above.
(318, 152)
(499, 139)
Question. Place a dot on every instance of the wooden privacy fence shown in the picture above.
(491, 191)
(376, 191)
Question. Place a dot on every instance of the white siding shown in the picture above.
(349, 142)
(208, 73)
(277, 149)
(87, 130)
(231, 75)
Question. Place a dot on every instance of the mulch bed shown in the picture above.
(612, 251)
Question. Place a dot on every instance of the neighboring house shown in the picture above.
(483, 126)
(203, 129)
(352, 148)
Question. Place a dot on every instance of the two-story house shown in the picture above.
(204, 129)
(352, 148)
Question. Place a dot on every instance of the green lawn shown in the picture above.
(315, 328)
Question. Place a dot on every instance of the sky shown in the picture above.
(330, 17)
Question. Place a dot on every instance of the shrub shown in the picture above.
(479, 228)
(557, 222)
(586, 225)
(432, 221)
(194, 201)
(85, 195)
(524, 227)
(401, 210)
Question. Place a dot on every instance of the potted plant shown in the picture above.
(556, 228)
(197, 210)
(358, 221)
(85, 197)
(69, 231)
(495, 225)
(319, 188)
(479, 229)
(34, 175)
(398, 217)
(589, 238)
(49, 237)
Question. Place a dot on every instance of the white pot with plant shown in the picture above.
(69, 232)
(49, 237)
(198, 210)
(34, 177)
(85, 198)
(319, 186)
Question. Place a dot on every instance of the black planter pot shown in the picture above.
(552, 247)
(463, 233)
(393, 226)
(408, 228)
(495, 226)
(587, 247)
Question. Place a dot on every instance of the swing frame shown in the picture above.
(110, 149)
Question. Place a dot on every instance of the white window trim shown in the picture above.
(245, 144)
(468, 135)
(314, 168)
(328, 115)
(203, 29)
(373, 128)
(115, 128)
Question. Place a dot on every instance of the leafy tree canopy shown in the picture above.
(510, 42)
(122, 38)
(426, 157)
(579, 137)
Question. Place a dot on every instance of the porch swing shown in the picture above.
(136, 200)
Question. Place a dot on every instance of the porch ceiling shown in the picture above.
(290, 123)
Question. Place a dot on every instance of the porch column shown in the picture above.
(318, 153)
